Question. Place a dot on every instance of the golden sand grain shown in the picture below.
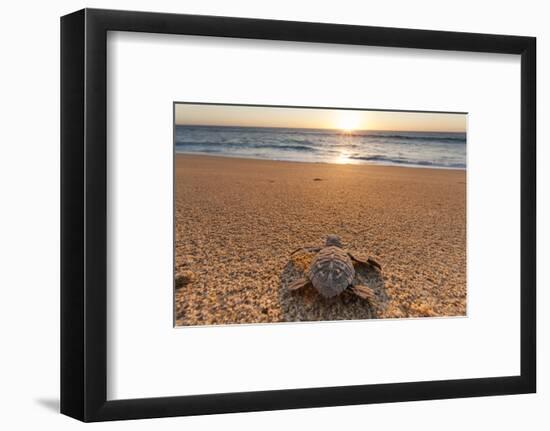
(238, 220)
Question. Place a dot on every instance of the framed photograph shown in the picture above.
(262, 215)
(296, 199)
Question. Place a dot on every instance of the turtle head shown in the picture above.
(333, 240)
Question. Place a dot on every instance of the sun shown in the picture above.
(348, 121)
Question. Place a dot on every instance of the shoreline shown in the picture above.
(358, 162)
(237, 220)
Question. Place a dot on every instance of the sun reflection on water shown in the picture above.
(345, 158)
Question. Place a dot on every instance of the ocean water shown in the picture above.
(420, 149)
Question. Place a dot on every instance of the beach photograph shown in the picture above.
(296, 214)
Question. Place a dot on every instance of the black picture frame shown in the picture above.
(84, 214)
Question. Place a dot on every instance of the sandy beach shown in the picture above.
(238, 220)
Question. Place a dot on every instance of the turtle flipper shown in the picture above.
(298, 284)
(367, 262)
(363, 292)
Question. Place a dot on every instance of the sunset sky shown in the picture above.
(349, 120)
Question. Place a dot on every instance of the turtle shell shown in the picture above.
(331, 271)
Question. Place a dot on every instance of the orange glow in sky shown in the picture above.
(342, 119)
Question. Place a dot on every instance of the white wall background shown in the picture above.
(29, 217)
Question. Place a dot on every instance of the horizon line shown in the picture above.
(321, 128)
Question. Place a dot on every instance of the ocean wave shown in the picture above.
(430, 149)
(257, 130)
(403, 161)
(422, 138)
(411, 136)
(223, 146)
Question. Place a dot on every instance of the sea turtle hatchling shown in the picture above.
(332, 271)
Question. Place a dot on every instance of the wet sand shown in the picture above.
(238, 220)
